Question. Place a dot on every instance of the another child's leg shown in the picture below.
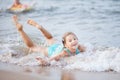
(47, 35)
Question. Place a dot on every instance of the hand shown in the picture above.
(43, 62)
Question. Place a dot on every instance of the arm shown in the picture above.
(57, 57)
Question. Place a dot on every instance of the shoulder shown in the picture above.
(17, 5)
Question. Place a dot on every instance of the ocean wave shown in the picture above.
(99, 59)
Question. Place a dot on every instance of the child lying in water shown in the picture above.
(16, 4)
(55, 51)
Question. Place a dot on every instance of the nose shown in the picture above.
(74, 42)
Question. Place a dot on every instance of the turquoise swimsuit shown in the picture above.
(70, 53)
(57, 48)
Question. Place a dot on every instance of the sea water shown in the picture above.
(96, 23)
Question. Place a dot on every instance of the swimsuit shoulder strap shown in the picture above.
(69, 52)
(77, 51)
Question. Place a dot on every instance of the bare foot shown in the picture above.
(18, 25)
(42, 61)
(33, 23)
(15, 18)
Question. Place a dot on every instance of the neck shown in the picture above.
(72, 50)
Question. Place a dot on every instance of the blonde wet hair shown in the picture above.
(65, 35)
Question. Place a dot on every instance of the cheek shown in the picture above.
(76, 41)
(67, 44)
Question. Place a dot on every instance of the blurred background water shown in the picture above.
(93, 21)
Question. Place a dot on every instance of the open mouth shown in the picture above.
(75, 46)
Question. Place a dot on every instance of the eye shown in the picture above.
(75, 39)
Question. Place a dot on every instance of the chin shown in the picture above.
(73, 47)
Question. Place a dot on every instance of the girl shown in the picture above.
(54, 51)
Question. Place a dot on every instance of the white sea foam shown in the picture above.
(100, 59)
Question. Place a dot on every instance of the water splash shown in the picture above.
(99, 59)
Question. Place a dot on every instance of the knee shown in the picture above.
(32, 48)
(50, 37)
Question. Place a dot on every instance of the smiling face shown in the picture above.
(70, 41)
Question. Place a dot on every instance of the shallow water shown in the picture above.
(46, 73)
(94, 22)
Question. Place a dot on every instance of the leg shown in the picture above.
(47, 35)
(25, 38)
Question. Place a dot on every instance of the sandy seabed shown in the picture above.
(13, 72)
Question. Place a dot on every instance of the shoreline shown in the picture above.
(14, 72)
